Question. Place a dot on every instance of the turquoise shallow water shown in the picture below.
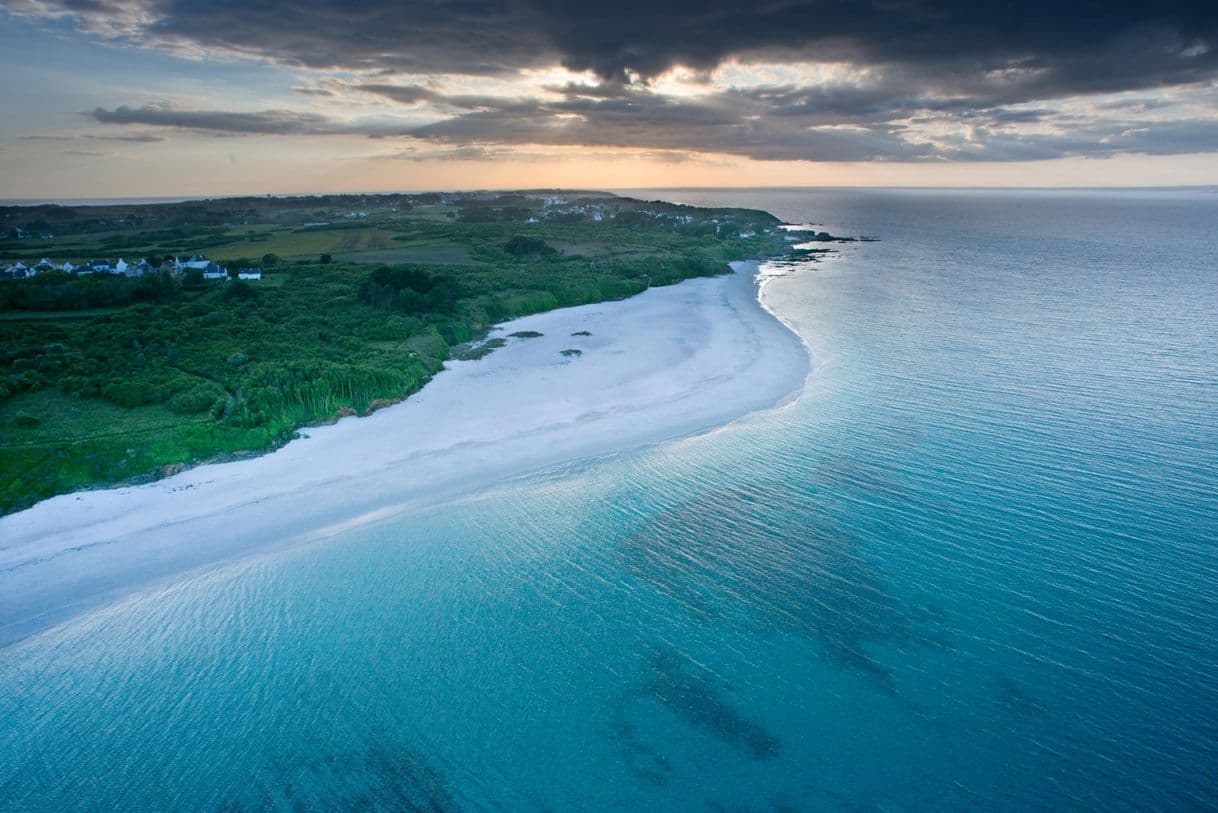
(974, 566)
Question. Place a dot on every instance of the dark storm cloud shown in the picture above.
(716, 124)
(732, 122)
(985, 69)
(1169, 138)
(402, 94)
(266, 122)
(1085, 45)
(646, 121)
(414, 95)
(134, 138)
(783, 124)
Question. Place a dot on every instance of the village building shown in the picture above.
(198, 262)
(140, 269)
(120, 267)
(93, 267)
(212, 271)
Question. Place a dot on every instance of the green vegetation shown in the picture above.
(57, 291)
(110, 379)
(521, 246)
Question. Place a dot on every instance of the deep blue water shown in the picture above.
(974, 567)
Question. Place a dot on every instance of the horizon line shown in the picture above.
(167, 199)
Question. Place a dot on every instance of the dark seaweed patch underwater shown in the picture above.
(768, 555)
(379, 778)
(693, 695)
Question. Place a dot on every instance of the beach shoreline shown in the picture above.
(669, 363)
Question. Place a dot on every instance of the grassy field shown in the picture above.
(27, 316)
(300, 243)
(78, 442)
(106, 380)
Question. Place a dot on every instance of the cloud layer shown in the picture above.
(828, 80)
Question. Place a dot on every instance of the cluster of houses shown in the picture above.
(120, 267)
(598, 212)
(19, 233)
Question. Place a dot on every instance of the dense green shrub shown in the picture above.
(521, 246)
(198, 398)
(25, 420)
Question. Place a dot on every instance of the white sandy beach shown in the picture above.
(668, 363)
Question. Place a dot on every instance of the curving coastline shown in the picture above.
(670, 362)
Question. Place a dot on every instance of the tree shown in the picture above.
(240, 290)
(521, 246)
(326, 259)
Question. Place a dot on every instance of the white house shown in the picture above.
(93, 267)
(213, 271)
(198, 261)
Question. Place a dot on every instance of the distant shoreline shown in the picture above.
(96, 201)
(633, 191)
(671, 362)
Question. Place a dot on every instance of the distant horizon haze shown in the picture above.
(138, 200)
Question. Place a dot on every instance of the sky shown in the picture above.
(116, 98)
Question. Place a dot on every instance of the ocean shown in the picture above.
(974, 566)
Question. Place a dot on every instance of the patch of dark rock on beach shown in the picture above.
(475, 351)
